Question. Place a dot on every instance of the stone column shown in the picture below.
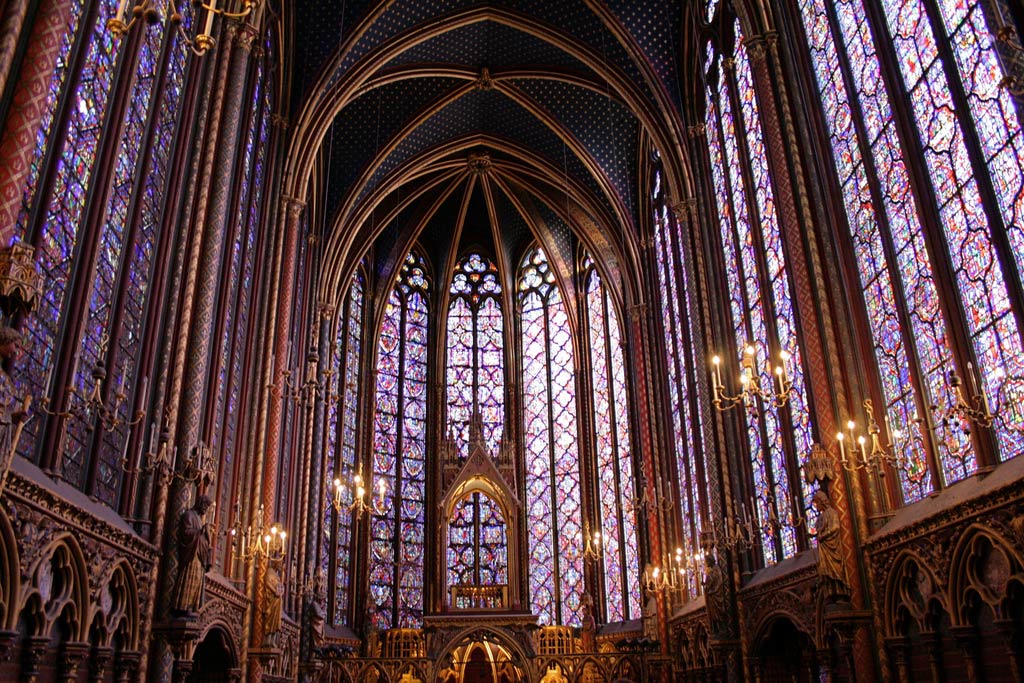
(273, 397)
(18, 140)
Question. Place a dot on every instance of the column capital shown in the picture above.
(756, 48)
(697, 131)
(325, 309)
(293, 205)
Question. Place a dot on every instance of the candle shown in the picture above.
(971, 379)
(145, 390)
(381, 489)
(49, 383)
(842, 449)
(121, 7)
(782, 384)
(716, 377)
(211, 11)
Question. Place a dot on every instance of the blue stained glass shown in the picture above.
(62, 219)
(396, 578)
(755, 284)
(554, 508)
(476, 365)
(675, 308)
(618, 532)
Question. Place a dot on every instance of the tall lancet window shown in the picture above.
(341, 437)
(554, 512)
(671, 247)
(964, 132)
(476, 362)
(477, 551)
(614, 456)
(399, 451)
(761, 304)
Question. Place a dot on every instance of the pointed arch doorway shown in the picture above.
(482, 661)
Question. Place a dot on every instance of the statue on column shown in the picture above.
(371, 636)
(714, 596)
(588, 633)
(272, 605)
(194, 557)
(13, 409)
(650, 617)
(833, 583)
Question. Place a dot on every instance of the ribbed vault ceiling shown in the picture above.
(455, 124)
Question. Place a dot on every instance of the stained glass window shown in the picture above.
(554, 512)
(342, 415)
(399, 451)
(960, 136)
(615, 488)
(476, 364)
(680, 363)
(477, 547)
(760, 300)
(62, 217)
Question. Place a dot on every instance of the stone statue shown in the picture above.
(588, 633)
(274, 589)
(13, 410)
(194, 557)
(832, 580)
(650, 617)
(714, 596)
(371, 637)
(317, 610)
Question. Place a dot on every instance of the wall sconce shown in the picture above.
(130, 11)
(91, 406)
(750, 384)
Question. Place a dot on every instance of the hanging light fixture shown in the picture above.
(131, 11)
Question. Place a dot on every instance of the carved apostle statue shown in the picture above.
(832, 580)
(272, 602)
(588, 633)
(714, 596)
(13, 410)
(194, 557)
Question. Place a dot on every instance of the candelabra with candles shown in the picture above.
(741, 536)
(857, 456)
(358, 503)
(750, 383)
(249, 543)
(642, 503)
(131, 11)
(90, 406)
(670, 580)
(971, 407)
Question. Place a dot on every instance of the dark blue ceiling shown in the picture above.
(555, 107)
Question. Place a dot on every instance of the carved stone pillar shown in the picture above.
(126, 667)
(71, 657)
(1011, 635)
(32, 651)
(25, 115)
(273, 397)
(99, 663)
(182, 670)
(899, 654)
(966, 638)
(933, 645)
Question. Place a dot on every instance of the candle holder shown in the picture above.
(750, 383)
(352, 495)
(129, 12)
(856, 456)
(255, 543)
(89, 407)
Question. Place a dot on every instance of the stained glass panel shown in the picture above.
(476, 364)
(554, 508)
(396, 525)
(618, 533)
